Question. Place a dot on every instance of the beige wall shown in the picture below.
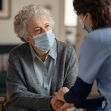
(7, 34)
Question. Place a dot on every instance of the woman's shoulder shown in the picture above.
(21, 48)
(65, 47)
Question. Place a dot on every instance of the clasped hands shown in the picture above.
(58, 103)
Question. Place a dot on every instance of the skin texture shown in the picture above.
(58, 102)
(35, 27)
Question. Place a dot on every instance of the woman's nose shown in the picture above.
(44, 30)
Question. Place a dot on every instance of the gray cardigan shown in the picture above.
(24, 92)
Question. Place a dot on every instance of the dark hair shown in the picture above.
(100, 11)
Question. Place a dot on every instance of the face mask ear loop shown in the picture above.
(85, 17)
(90, 18)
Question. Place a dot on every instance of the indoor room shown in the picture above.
(55, 55)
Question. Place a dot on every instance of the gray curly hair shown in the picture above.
(28, 13)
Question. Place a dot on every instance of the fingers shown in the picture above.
(65, 107)
(65, 89)
(60, 93)
(53, 101)
(56, 103)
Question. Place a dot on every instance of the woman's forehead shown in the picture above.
(36, 23)
(39, 20)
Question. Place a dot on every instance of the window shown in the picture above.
(70, 16)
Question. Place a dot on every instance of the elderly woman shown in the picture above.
(41, 65)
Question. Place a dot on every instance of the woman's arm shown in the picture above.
(18, 90)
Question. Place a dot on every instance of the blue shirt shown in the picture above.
(95, 61)
(45, 69)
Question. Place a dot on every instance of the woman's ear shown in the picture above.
(89, 19)
(28, 39)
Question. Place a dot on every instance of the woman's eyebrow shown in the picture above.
(47, 24)
(37, 27)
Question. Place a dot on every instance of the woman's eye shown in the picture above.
(37, 31)
(47, 26)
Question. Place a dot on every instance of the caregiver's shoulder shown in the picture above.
(100, 36)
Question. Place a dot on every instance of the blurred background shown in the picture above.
(66, 22)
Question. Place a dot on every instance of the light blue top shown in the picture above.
(45, 69)
(95, 61)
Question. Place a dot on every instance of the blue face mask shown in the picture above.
(88, 29)
(44, 41)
